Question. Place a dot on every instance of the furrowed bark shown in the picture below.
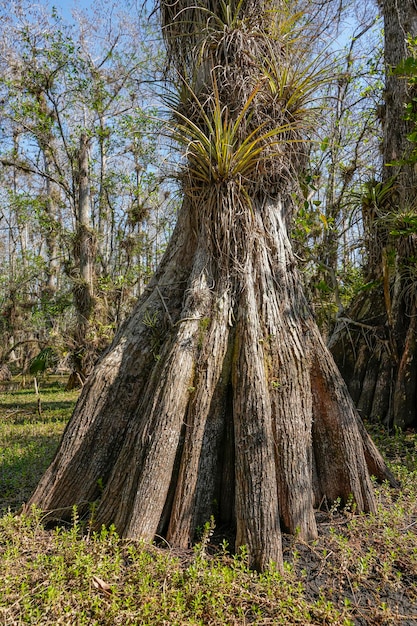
(284, 312)
(113, 391)
(246, 419)
(204, 428)
(336, 435)
(405, 393)
(257, 512)
(140, 503)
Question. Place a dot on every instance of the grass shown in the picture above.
(28, 440)
(361, 570)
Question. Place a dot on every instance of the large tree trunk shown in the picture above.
(150, 438)
(374, 344)
(218, 396)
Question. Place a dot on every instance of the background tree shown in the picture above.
(79, 186)
(218, 395)
(375, 343)
(328, 229)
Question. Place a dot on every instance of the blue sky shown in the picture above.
(66, 6)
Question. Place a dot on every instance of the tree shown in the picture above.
(72, 106)
(375, 343)
(328, 227)
(218, 396)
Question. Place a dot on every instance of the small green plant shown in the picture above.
(359, 568)
(335, 507)
(45, 359)
(217, 148)
(206, 532)
(204, 325)
(152, 321)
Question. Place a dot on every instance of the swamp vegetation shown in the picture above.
(361, 569)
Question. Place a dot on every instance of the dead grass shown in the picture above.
(361, 570)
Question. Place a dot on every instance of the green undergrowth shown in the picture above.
(29, 434)
(362, 569)
(67, 577)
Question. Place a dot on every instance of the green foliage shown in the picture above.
(407, 69)
(44, 360)
(403, 223)
(361, 567)
(376, 195)
(55, 86)
(152, 321)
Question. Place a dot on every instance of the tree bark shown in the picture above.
(149, 437)
(84, 288)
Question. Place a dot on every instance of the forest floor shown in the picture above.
(361, 570)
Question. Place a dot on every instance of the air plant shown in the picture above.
(241, 127)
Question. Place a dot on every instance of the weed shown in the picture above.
(361, 568)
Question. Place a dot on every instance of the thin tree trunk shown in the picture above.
(47, 144)
(84, 290)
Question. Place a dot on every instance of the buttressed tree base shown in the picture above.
(218, 396)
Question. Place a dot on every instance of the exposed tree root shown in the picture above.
(242, 414)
